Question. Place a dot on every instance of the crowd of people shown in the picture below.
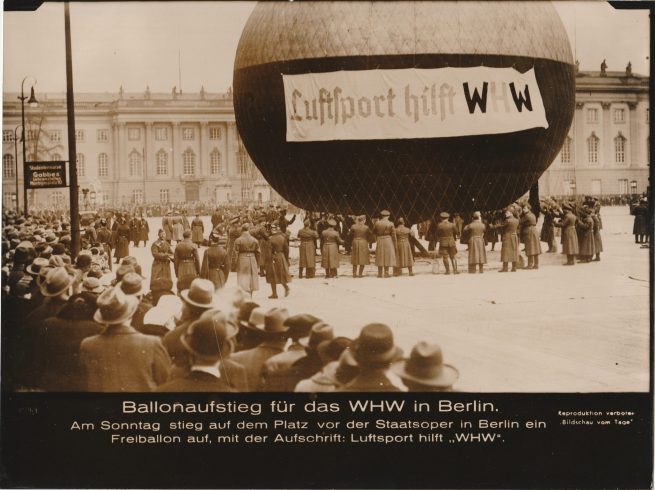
(94, 322)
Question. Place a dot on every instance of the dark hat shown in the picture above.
(200, 293)
(114, 306)
(56, 282)
(24, 253)
(444, 215)
(82, 261)
(206, 337)
(186, 234)
(567, 206)
(244, 312)
(274, 321)
(161, 284)
(321, 332)
(375, 345)
(347, 368)
(425, 367)
(331, 222)
(35, 267)
(301, 325)
(331, 350)
(133, 284)
(59, 249)
(384, 212)
(123, 270)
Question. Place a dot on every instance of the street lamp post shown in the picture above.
(32, 102)
(16, 163)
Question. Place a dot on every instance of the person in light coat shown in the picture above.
(360, 236)
(246, 247)
(530, 237)
(385, 245)
(477, 253)
(569, 235)
(330, 252)
(404, 257)
(509, 250)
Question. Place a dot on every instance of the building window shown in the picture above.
(188, 134)
(619, 149)
(619, 116)
(55, 136)
(8, 166)
(623, 186)
(592, 116)
(189, 162)
(103, 166)
(245, 194)
(214, 133)
(215, 162)
(134, 161)
(81, 166)
(163, 196)
(57, 198)
(162, 162)
(633, 187)
(596, 187)
(569, 187)
(79, 135)
(243, 166)
(566, 151)
(134, 134)
(9, 199)
(137, 196)
(161, 134)
(7, 136)
(592, 148)
(103, 135)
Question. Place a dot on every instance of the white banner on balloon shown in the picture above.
(411, 103)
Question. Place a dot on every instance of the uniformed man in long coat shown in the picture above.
(360, 238)
(277, 267)
(122, 243)
(307, 250)
(178, 229)
(246, 247)
(197, 230)
(187, 262)
(385, 245)
(446, 233)
(509, 250)
(404, 257)
(134, 230)
(585, 228)
(233, 232)
(569, 235)
(548, 229)
(477, 252)
(215, 265)
(530, 237)
(330, 253)
(143, 231)
(162, 255)
(598, 225)
(167, 226)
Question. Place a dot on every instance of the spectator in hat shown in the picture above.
(274, 334)
(477, 252)
(158, 288)
(509, 249)
(325, 380)
(446, 234)
(249, 316)
(215, 265)
(160, 319)
(134, 285)
(247, 249)
(385, 245)
(162, 256)
(92, 285)
(57, 346)
(209, 342)
(530, 237)
(375, 351)
(360, 236)
(121, 359)
(330, 251)
(307, 250)
(277, 266)
(195, 301)
(425, 369)
(300, 327)
(404, 257)
(305, 366)
(187, 262)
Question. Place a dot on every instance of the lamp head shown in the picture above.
(32, 102)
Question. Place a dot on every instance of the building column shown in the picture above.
(147, 157)
(634, 138)
(608, 159)
(203, 168)
(175, 137)
(578, 141)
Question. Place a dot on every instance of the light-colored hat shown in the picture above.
(114, 307)
(200, 293)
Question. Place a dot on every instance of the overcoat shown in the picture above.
(307, 250)
(404, 257)
(161, 265)
(446, 233)
(361, 237)
(187, 263)
(529, 235)
(598, 240)
(122, 241)
(569, 234)
(547, 228)
(385, 253)
(330, 251)
(233, 232)
(585, 226)
(246, 248)
(215, 266)
(277, 267)
(477, 252)
(197, 230)
(640, 226)
(509, 250)
(167, 226)
(178, 230)
(144, 229)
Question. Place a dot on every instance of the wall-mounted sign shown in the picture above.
(43, 175)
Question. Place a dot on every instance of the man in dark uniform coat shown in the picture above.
(385, 246)
(187, 262)
(277, 267)
(445, 234)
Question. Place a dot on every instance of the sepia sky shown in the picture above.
(135, 44)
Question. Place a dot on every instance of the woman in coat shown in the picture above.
(215, 265)
(162, 255)
(404, 257)
(509, 250)
(361, 236)
(585, 228)
(330, 251)
(197, 230)
(477, 253)
(247, 249)
(307, 251)
(569, 235)
(530, 237)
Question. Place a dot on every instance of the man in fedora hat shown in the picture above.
(121, 359)
(187, 262)
(305, 366)
(195, 301)
(215, 265)
(133, 284)
(325, 380)
(274, 334)
(247, 319)
(446, 235)
(425, 369)
(209, 341)
(300, 327)
(385, 245)
(375, 351)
